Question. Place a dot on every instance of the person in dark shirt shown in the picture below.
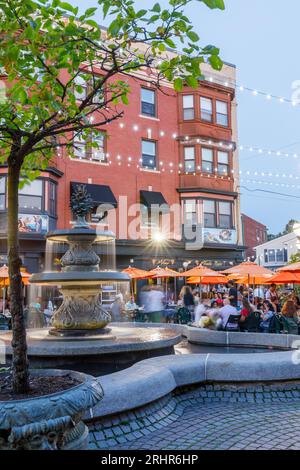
(232, 294)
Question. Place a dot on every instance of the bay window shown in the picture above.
(189, 159)
(222, 113)
(206, 108)
(209, 211)
(207, 160)
(190, 212)
(188, 107)
(31, 196)
(225, 215)
(223, 163)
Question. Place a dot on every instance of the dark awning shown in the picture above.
(100, 194)
(154, 198)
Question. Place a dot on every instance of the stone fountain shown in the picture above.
(79, 281)
(79, 326)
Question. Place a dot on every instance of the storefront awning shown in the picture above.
(100, 194)
(154, 198)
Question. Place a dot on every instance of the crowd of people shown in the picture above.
(243, 309)
(221, 307)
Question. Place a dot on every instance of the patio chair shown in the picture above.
(4, 323)
(252, 322)
(289, 326)
(233, 323)
(275, 325)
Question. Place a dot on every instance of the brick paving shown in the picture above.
(208, 418)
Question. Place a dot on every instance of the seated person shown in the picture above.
(247, 308)
(266, 316)
(200, 311)
(225, 313)
(289, 310)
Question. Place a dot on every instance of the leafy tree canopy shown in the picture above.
(48, 51)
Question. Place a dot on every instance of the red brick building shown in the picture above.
(171, 148)
(254, 233)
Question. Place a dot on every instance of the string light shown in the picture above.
(253, 91)
(260, 150)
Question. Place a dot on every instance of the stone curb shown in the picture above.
(154, 378)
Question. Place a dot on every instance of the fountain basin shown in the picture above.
(122, 347)
(77, 278)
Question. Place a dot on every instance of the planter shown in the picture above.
(50, 421)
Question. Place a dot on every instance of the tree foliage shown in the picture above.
(43, 48)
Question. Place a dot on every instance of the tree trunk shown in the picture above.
(20, 368)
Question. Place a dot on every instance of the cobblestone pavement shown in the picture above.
(209, 418)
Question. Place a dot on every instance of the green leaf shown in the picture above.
(90, 11)
(215, 4)
(156, 8)
(215, 62)
(192, 81)
(192, 36)
(178, 84)
(124, 99)
(67, 6)
(141, 13)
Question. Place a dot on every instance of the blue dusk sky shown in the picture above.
(261, 38)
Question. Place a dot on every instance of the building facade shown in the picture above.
(276, 253)
(176, 150)
(254, 233)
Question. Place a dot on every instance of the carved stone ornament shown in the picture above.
(50, 422)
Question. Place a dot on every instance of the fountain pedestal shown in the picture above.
(79, 281)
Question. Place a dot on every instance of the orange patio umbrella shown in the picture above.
(294, 268)
(160, 273)
(207, 280)
(285, 277)
(203, 274)
(4, 277)
(251, 271)
(136, 273)
(202, 271)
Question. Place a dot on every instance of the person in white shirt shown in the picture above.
(226, 311)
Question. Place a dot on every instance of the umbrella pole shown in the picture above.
(4, 292)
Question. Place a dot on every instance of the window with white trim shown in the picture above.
(31, 196)
(207, 160)
(98, 152)
(149, 154)
(80, 88)
(188, 107)
(148, 102)
(189, 159)
(225, 214)
(206, 109)
(209, 211)
(221, 113)
(190, 212)
(223, 163)
(80, 150)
